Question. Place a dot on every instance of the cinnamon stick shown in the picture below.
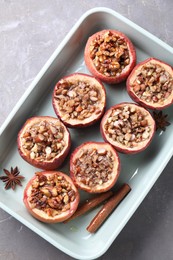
(90, 204)
(109, 206)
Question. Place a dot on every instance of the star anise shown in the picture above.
(12, 178)
(161, 120)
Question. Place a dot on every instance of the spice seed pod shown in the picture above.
(94, 167)
(128, 127)
(51, 196)
(151, 84)
(79, 100)
(44, 142)
(110, 56)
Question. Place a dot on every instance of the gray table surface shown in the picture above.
(30, 30)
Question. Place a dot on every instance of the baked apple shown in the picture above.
(110, 56)
(151, 84)
(79, 100)
(51, 196)
(44, 142)
(94, 167)
(128, 127)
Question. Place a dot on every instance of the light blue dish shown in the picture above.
(139, 171)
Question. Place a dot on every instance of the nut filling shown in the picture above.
(77, 99)
(110, 54)
(153, 84)
(94, 167)
(127, 126)
(52, 194)
(43, 140)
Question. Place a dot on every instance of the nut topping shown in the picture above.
(110, 56)
(94, 167)
(43, 140)
(52, 194)
(79, 100)
(127, 125)
(109, 53)
(153, 84)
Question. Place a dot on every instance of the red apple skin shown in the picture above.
(135, 97)
(46, 165)
(59, 218)
(125, 72)
(79, 124)
(124, 149)
(116, 172)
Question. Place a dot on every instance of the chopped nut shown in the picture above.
(71, 94)
(66, 199)
(102, 151)
(32, 155)
(93, 98)
(46, 192)
(48, 150)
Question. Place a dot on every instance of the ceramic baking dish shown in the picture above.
(139, 171)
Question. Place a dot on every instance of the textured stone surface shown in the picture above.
(30, 30)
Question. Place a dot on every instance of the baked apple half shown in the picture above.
(128, 127)
(51, 196)
(110, 56)
(79, 100)
(94, 167)
(151, 84)
(44, 142)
